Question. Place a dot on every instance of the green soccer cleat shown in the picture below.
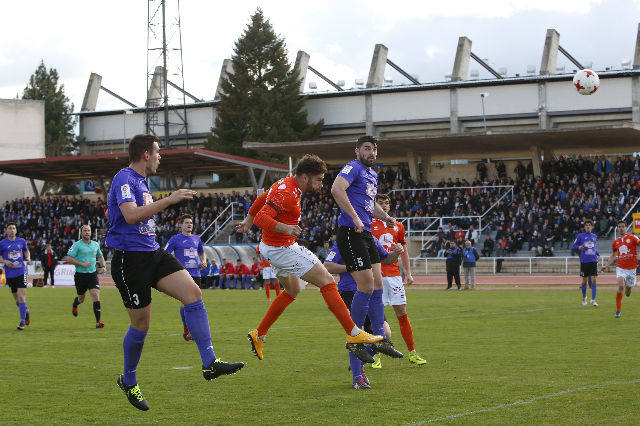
(218, 368)
(377, 361)
(134, 395)
(414, 358)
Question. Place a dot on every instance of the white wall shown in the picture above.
(22, 136)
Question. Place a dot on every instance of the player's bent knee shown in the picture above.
(400, 310)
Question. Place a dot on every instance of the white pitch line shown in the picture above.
(524, 401)
(181, 368)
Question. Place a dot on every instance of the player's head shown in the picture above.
(588, 225)
(85, 232)
(186, 224)
(385, 202)
(145, 148)
(11, 230)
(467, 244)
(622, 227)
(238, 261)
(367, 150)
(48, 247)
(309, 172)
(224, 260)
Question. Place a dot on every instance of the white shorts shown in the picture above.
(292, 260)
(267, 273)
(629, 276)
(393, 291)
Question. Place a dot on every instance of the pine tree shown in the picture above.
(261, 100)
(58, 118)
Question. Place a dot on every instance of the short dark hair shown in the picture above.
(139, 144)
(11, 223)
(588, 222)
(366, 138)
(619, 222)
(185, 216)
(383, 197)
(310, 164)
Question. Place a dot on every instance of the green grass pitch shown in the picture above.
(495, 357)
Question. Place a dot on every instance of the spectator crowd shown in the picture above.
(542, 214)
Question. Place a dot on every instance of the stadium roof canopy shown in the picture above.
(585, 140)
(102, 167)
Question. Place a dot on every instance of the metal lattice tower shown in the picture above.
(166, 112)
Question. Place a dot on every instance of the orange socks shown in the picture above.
(266, 288)
(276, 309)
(277, 288)
(406, 331)
(337, 306)
(618, 301)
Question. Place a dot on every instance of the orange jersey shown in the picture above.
(387, 237)
(282, 204)
(627, 251)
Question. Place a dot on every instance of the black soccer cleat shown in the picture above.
(219, 368)
(360, 350)
(385, 346)
(21, 327)
(134, 395)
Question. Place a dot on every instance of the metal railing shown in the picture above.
(521, 265)
(427, 226)
(225, 216)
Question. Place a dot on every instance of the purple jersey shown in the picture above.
(186, 249)
(362, 190)
(589, 241)
(12, 251)
(130, 186)
(346, 282)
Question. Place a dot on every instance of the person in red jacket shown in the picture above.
(241, 273)
(226, 274)
(253, 274)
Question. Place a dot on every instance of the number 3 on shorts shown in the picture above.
(136, 301)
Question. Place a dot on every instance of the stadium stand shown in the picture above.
(546, 211)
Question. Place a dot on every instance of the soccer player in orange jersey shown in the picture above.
(269, 277)
(278, 214)
(393, 292)
(625, 253)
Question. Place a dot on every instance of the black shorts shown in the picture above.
(85, 281)
(135, 272)
(197, 280)
(17, 282)
(358, 249)
(347, 298)
(589, 269)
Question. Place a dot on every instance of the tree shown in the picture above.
(261, 100)
(58, 118)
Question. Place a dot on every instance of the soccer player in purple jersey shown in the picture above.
(188, 249)
(139, 264)
(335, 264)
(15, 256)
(355, 189)
(587, 244)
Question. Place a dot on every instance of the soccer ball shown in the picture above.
(586, 82)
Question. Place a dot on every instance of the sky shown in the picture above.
(77, 37)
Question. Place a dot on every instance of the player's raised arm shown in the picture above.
(244, 226)
(266, 217)
(133, 213)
